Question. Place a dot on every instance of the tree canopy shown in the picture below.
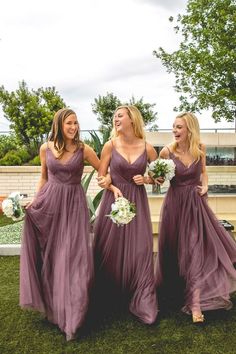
(105, 106)
(30, 113)
(205, 63)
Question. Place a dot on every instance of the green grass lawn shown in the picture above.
(24, 332)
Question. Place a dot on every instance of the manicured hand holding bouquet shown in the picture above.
(161, 168)
(122, 211)
(11, 206)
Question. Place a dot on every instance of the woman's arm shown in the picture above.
(103, 169)
(105, 159)
(204, 177)
(91, 157)
(164, 153)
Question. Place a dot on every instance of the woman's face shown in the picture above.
(122, 120)
(180, 130)
(70, 127)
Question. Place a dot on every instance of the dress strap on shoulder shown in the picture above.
(168, 149)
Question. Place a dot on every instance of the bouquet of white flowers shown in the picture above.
(11, 206)
(162, 168)
(122, 211)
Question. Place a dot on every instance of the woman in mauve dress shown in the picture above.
(124, 254)
(56, 265)
(196, 255)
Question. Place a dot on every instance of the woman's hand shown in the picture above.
(29, 204)
(117, 193)
(104, 181)
(159, 180)
(202, 190)
(139, 179)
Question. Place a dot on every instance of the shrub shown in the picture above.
(7, 143)
(35, 161)
(15, 157)
(11, 159)
(23, 155)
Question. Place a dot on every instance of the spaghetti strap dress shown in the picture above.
(56, 263)
(124, 269)
(196, 255)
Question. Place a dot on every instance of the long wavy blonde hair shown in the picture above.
(56, 135)
(136, 118)
(193, 134)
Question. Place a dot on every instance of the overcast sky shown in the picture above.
(87, 48)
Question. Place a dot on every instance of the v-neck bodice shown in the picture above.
(186, 175)
(122, 171)
(129, 163)
(59, 161)
(69, 172)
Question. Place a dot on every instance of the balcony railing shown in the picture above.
(161, 130)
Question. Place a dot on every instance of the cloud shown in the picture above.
(88, 48)
(167, 4)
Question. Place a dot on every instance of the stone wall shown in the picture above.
(222, 174)
(25, 178)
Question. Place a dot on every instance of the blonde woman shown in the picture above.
(195, 254)
(124, 262)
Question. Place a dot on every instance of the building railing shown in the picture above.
(161, 130)
(206, 130)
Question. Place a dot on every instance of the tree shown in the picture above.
(205, 63)
(105, 106)
(30, 113)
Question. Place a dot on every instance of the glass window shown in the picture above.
(217, 156)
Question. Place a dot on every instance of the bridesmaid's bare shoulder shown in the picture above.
(151, 152)
(165, 152)
(43, 147)
(107, 148)
(203, 147)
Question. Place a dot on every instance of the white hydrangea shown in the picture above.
(11, 206)
(122, 211)
(162, 168)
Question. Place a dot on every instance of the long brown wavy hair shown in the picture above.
(56, 135)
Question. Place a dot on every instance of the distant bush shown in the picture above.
(11, 159)
(15, 157)
(7, 143)
(23, 155)
(35, 161)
